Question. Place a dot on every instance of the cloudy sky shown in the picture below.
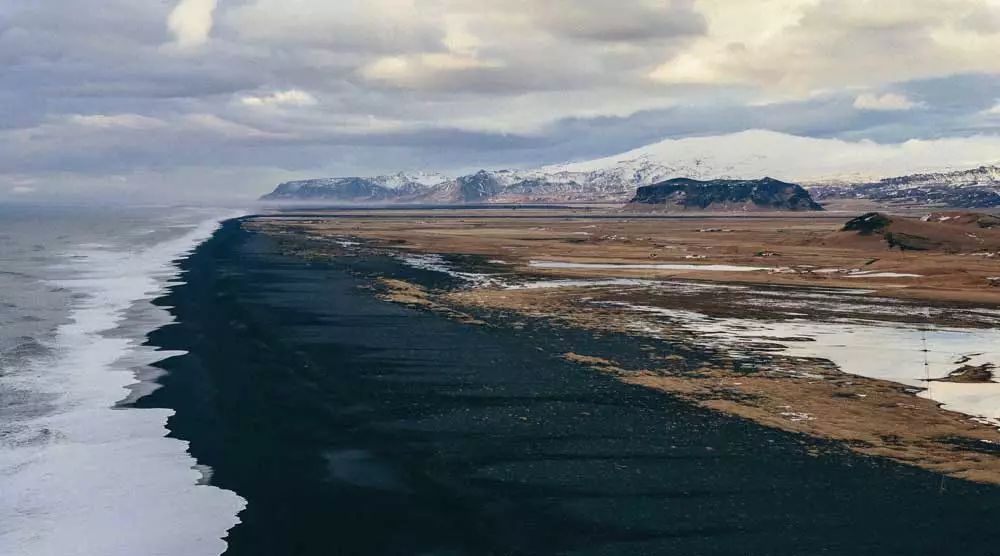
(226, 97)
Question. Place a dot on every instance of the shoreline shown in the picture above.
(870, 416)
(333, 413)
(78, 458)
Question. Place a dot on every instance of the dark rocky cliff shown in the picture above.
(688, 194)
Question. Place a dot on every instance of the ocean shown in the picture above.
(175, 386)
(82, 471)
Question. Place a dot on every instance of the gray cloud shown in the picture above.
(627, 22)
(108, 93)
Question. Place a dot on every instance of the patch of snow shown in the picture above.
(876, 274)
(569, 283)
(893, 351)
(436, 263)
(663, 266)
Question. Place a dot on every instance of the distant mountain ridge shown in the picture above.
(484, 186)
(386, 188)
(615, 183)
(730, 195)
(844, 168)
(975, 188)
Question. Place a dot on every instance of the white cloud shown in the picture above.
(687, 69)
(800, 46)
(291, 97)
(422, 70)
(191, 22)
(119, 121)
(215, 125)
(884, 102)
(22, 190)
(994, 111)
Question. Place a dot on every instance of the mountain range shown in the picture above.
(830, 168)
(975, 188)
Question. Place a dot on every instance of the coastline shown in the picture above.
(78, 459)
(780, 352)
(335, 413)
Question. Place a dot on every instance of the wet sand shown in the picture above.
(355, 425)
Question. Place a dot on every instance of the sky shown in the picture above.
(225, 98)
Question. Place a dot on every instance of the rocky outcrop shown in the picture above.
(868, 224)
(765, 194)
(970, 374)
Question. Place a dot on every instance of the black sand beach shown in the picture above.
(357, 426)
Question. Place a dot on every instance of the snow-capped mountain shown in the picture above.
(738, 156)
(615, 183)
(388, 188)
(983, 176)
(976, 188)
(408, 179)
(755, 153)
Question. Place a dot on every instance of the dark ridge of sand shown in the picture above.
(354, 425)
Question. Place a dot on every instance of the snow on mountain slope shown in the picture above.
(975, 188)
(984, 176)
(756, 153)
(404, 179)
(745, 155)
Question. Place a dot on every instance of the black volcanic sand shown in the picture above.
(357, 426)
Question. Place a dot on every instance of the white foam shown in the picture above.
(661, 266)
(88, 479)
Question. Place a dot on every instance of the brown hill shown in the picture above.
(952, 232)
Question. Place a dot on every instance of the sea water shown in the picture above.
(81, 471)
